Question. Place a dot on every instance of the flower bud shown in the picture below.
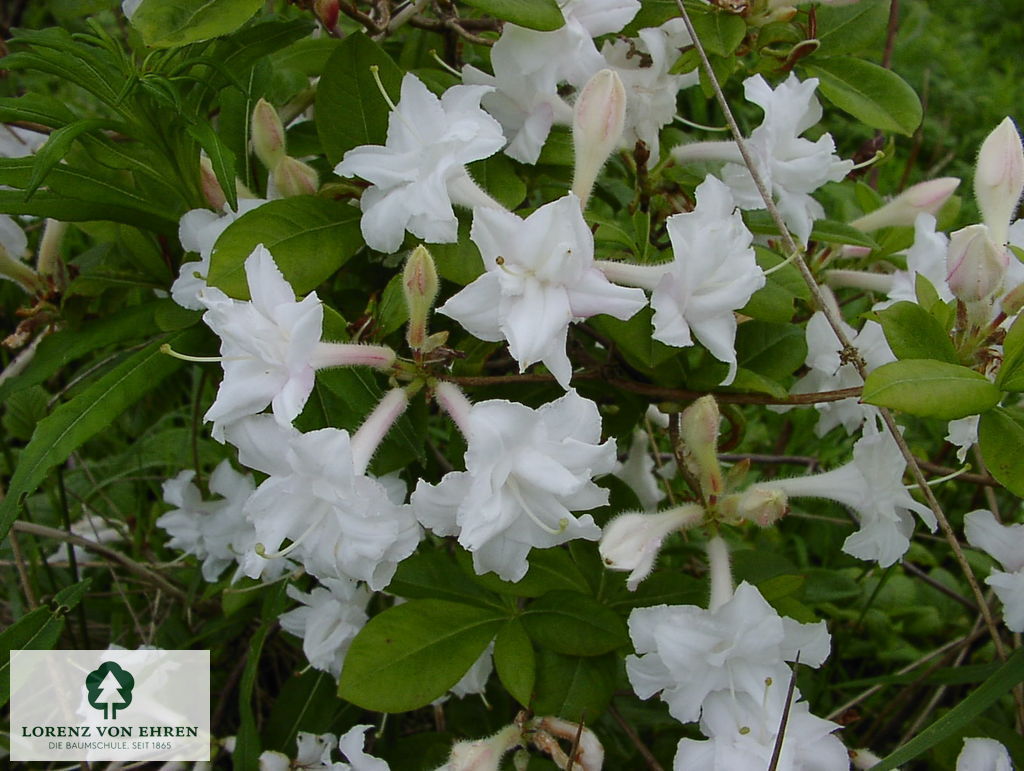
(210, 185)
(419, 285)
(292, 177)
(999, 179)
(925, 197)
(268, 140)
(698, 427)
(598, 119)
(976, 265)
(327, 12)
(483, 754)
(631, 541)
(763, 506)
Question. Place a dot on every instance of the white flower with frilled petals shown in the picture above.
(687, 652)
(420, 170)
(315, 751)
(1005, 544)
(983, 755)
(341, 523)
(872, 486)
(198, 231)
(328, 619)
(267, 345)
(526, 472)
(540, 278)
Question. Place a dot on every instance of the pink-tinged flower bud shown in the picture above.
(268, 140)
(419, 285)
(632, 540)
(976, 265)
(327, 12)
(925, 197)
(999, 179)
(210, 185)
(598, 119)
(698, 428)
(292, 177)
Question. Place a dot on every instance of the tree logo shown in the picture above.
(110, 688)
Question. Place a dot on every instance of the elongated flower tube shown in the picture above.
(631, 541)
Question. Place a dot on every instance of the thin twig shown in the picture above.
(19, 561)
(784, 721)
(649, 759)
(849, 352)
(915, 571)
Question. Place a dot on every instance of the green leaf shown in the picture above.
(577, 689)
(930, 389)
(221, 158)
(57, 146)
(174, 23)
(575, 624)
(39, 629)
(90, 412)
(871, 94)
(720, 32)
(1011, 373)
(772, 350)
(852, 28)
(23, 411)
(515, 661)
(307, 702)
(913, 333)
(35, 108)
(1000, 439)
(550, 569)
(980, 699)
(497, 175)
(543, 15)
(410, 654)
(310, 239)
(434, 574)
(350, 110)
(833, 232)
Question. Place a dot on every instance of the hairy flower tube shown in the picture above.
(540, 277)
(340, 522)
(526, 471)
(713, 275)
(420, 171)
(632, 540)
(902, 211)
(271, 348)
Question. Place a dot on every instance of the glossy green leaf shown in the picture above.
(550, 569)
(497, 175)
(174, 23)
(410, 654)
(543, 15)
(913, 333)
(1011, 373)
(574, 624)
(976, 702)
(39, 629)
(350, 110)
(88, 413)
(870, 93)
(719, 31)
(515, 661)
(57, 146)
(1000, 438)
(310, 239)
(850, 29)
(772, 350)
(436, 574)
(574, 688)
(930, 389)
(35, 108)
(827, 231)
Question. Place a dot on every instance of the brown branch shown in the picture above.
(649, 759)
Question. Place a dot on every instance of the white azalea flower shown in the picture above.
(792, 167)
(963, 433)
(927, 257)
(637, 471)
(215, 532)
(651, 90)
(983, 755)
(714, 273)
(526, 471)
(872, 487)
(198, 231)
(341, 523)
(743, 730)
(328, 619)
(420, 170)
(540, 278)
(315, 751)
(93, 527)
(631, 541)
(687, 652)
(1005, 544)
